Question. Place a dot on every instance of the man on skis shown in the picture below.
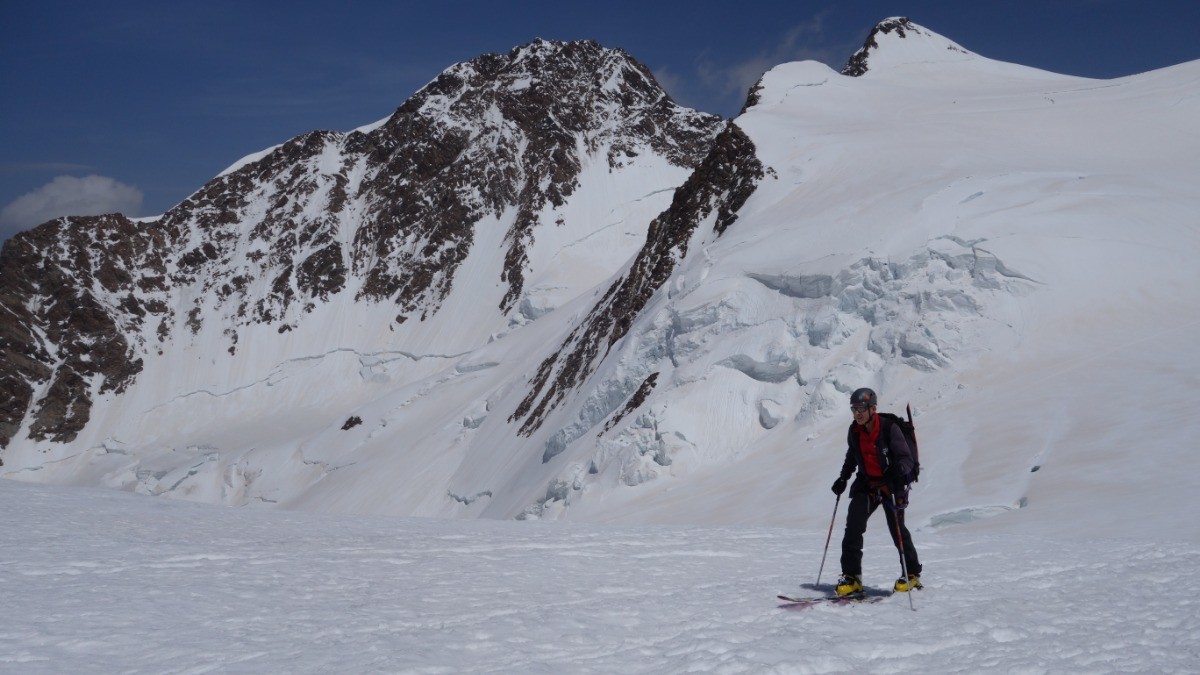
(879, 452)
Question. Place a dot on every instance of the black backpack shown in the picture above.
(910, 435)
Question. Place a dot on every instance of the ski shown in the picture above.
(831, 599)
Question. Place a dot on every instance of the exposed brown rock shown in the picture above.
(639, 397)
(47, 281)
(857, 66)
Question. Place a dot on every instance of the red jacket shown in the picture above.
(890, 447)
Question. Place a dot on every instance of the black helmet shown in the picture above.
(863, 397)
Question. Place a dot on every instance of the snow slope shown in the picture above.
(104, 581)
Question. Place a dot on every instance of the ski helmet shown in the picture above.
(863, 397)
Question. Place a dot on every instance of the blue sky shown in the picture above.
(132, 106)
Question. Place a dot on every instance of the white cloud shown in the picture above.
(70, 196)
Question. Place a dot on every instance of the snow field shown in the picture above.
(99, 581)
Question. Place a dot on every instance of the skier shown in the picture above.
(884, 461)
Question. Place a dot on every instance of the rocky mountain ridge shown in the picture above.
(384, 216)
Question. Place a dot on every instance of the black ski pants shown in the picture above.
(861, 508)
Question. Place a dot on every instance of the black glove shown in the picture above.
(839, 486)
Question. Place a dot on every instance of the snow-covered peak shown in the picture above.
(476, 194)
(582, 85)
(898, 41)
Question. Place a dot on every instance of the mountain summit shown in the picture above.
(897, 40)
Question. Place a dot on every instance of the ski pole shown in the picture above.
(828, 537)
(898, 514)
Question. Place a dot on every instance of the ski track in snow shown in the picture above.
(97, 581)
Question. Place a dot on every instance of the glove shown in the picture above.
(839, 486)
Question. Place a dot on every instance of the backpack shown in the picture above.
(910, 436)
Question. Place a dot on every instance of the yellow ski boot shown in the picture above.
(904, 585)
(848, 585)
